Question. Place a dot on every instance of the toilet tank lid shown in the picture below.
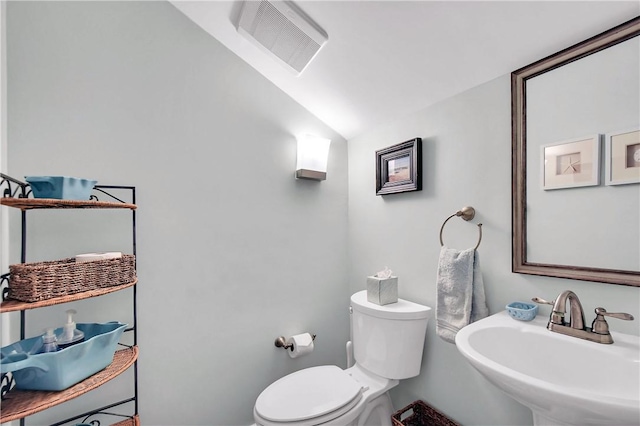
(402, 310)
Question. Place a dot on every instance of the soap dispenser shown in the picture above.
(49, 341)
(70, 334)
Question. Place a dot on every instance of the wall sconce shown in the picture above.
(313, 153)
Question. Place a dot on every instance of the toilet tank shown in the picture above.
(388, 340)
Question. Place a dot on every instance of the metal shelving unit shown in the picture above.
(21, 404)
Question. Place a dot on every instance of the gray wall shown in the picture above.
(466, 161)
(233, 251)
(136, 94)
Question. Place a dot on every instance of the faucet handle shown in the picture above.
(542, 301)
(619, 315)
(600, 325)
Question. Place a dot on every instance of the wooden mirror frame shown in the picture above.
(519, 78)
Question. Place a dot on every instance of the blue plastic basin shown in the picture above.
(55, 371)
(61, 187)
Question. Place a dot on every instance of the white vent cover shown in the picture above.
(283, 30)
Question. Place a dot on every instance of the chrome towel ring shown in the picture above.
(467, 213)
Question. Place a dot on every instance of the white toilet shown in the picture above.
(387, 345)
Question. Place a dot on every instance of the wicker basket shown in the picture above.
(32, 282)
(133, 421)
(421, 415)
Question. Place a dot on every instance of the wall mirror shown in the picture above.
(576, 161)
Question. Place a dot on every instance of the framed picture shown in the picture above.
(622, 157)
(571, 164)
(399, 168)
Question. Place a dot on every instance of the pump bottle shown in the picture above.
(70, 334)
(49, 341)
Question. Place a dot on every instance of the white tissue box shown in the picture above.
(382, 291)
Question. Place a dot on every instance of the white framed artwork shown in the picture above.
(622, 157)
(570, 164)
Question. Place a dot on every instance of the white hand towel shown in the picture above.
(461, 299)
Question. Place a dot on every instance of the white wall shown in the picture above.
(232, 250)
(466, 161)
(4, 219)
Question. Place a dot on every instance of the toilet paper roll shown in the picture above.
(302, 345)
(90, 257)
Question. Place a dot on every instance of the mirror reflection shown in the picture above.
(576, 181)
(573, 218)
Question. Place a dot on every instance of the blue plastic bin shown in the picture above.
(56, 371)
(61, 187)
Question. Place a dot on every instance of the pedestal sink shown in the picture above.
(563, 380)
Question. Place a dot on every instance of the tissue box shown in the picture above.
(382, 291)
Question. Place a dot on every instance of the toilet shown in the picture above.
(387, 347)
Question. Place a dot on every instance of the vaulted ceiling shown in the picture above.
(387, 59)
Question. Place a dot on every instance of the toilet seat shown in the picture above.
(319, 393)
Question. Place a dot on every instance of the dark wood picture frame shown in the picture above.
(399, 168)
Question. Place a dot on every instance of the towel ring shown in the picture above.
(467, 213)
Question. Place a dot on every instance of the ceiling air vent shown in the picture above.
(283, 30)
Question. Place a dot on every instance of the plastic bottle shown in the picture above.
(70, 334)
(49, 341)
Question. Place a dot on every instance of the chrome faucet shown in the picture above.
(599, 331)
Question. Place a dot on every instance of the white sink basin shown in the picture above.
(564, 380)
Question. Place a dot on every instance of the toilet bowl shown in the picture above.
(388, 342)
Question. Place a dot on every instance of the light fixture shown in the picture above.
(313, 152)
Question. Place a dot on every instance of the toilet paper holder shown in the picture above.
(281, 342)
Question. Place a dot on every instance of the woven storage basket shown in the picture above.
(32, 282)
(134, 421)
(421, 415)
